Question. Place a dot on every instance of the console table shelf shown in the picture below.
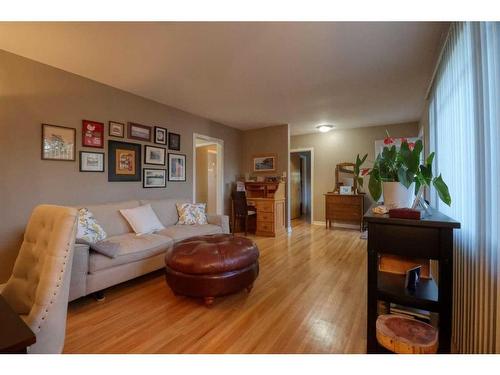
(428, 238)
(391, 288)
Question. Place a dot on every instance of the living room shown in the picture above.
(249, 187)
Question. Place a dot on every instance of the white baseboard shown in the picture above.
(337, 225)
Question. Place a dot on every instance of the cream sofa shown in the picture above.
(138, 255)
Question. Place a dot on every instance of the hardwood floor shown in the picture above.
(310, 297)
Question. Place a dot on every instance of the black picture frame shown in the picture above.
(120, 125)
(149, 161)
(113, 148)
(145, 178)
(138, 128)
(174, 141)
(170, 176)
(159, 130)
(82, 169)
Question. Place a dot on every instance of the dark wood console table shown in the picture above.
(428, 238)
(15, 335)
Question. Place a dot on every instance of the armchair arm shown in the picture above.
(220, 220)
(78, 284)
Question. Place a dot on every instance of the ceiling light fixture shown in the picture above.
(325, 128)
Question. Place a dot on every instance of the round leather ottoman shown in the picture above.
(212, 266)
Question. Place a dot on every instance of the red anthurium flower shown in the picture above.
(388, 141)
(403, 140)
(365, 171)
(411, 145)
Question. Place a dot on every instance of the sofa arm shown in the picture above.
(78, 284)
(221, 221)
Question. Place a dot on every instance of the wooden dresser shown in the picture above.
(344, 208)
(268, 198)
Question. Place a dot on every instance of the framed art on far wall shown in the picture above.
(58, 142)
(154, 178)
(91, 161)
(174, 141)
(92, 134)
(116, 129)
(160, 135)
(264, 163)
(124, 161)
(154, 155)
(139, 132)
(176, 167)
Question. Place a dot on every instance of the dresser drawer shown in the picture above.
(263, 206)
(351, 200)
(265, 216)
(265, 226)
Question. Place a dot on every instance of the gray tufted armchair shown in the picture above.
(39, 285)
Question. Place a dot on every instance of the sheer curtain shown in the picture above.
(464, 120)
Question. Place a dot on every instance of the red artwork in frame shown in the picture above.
(92, 134)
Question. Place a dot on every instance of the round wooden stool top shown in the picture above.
(405, 335)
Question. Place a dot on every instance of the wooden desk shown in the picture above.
(429, 238)
(268, 198)
(344, 208)
(15, 335)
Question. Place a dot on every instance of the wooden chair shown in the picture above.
(241, 210)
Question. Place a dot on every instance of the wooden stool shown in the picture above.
(405, 335)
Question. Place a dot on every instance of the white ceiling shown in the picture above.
(249, 75)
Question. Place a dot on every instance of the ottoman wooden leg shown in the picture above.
(249, 288)
(209, 301)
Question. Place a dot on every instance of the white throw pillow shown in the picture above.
(190, 213)
(142, 219)
(88, 229)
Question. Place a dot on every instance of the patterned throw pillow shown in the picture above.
(190, 213)
(88, 228)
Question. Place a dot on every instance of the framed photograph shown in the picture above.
(160, 135)
(154, 155)
(174, 141)
(124, 161)
(176, 167)
(58, 142)
(92, 134)
(91, 161)
(264, 163)
(116, 129)
(139, 132)
(345, 190)
(154, 178)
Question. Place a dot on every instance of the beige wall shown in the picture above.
(274, 140)
(342, 146)
(32, 93)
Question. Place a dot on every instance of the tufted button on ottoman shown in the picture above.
(212, 266)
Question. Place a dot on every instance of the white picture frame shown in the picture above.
(176, 167)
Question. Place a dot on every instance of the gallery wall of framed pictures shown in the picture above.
(125, 159)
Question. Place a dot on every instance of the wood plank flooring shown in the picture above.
(310, 297)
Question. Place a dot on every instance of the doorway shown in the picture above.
(301, 184)
(208, 175)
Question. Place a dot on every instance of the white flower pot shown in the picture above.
(396, 195)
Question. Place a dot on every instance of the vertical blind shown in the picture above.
(464, 121)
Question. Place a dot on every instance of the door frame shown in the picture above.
(305, 149)
(220, 169)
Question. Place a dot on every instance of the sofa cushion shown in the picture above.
(110, 218)
(181, 232)
(192, 213)
(166, 209)
(131, 248)
(88, 229)
(142, 219)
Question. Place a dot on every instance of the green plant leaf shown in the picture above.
(426, 174)
(374, 185)
(360, 181)
(405, 177)
(429, 159)
(442, 189)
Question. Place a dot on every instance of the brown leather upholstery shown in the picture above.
(212, 254)
(211, 266)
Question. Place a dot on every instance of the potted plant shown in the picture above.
(398, 174)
